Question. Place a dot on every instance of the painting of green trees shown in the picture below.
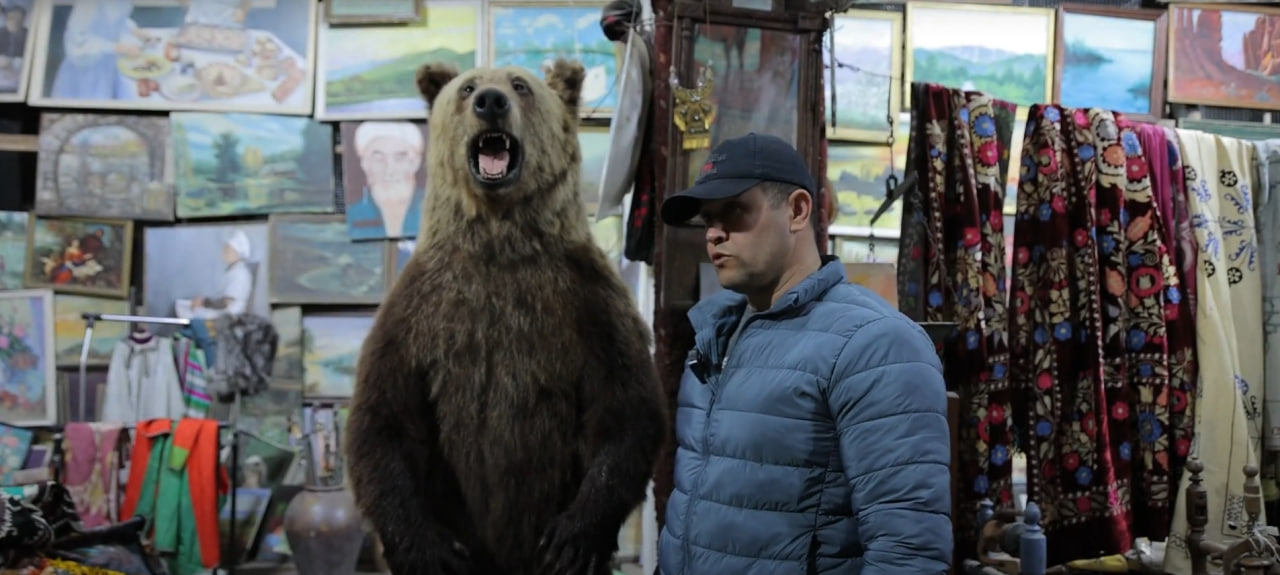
(241, 164)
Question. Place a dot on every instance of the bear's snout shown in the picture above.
(491, 105)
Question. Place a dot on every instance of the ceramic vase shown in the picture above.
(324, 530)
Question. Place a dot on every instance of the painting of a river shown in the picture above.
(330, 347)
(1108, 62)
(242, 164)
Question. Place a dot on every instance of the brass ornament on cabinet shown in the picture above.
(694, 111)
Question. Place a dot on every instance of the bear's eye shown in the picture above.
(520, 87)
(468, 89)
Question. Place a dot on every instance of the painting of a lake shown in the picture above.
(330, 347)
(532, 35)
(1014, 65)
(1107, 62)
(868, 54)
(13, 249)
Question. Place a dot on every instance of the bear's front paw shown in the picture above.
(430, 557)
(571, 546)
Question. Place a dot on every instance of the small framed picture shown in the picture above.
(349, 12)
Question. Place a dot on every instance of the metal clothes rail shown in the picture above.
(90, 318)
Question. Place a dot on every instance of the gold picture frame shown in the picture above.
(125, 271)
(412, 13)
(893, 76)
(989, 13)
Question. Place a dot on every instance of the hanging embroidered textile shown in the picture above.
(1093, 293)
(951, 268)
(1268, 216)
(92, 471)
(1219, 179)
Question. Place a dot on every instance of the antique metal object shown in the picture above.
(694, 111)
(1253, 554)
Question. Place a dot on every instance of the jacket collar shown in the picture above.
(720, 312)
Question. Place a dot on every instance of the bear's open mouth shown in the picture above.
(495, 157)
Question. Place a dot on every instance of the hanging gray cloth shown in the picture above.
(246, 345)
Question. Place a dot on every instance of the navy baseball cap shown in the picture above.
(735, 166)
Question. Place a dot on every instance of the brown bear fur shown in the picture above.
(506, 395)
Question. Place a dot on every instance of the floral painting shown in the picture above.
(88, 257)
(1224, 57)
(330, 348)
(28, 377)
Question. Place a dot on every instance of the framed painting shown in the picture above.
(80, 255)
(68, 328)
(202, 271)
(1112, 58)
(532, 34)
(372, 11)
(13, 248)
(248, 164)
(370, 73)
(867, 70)
(1222, 56)
(1230, 129)
(399, 254)
(288, 363)
(15, 446)
(29, 386)
(104, 166)
(942, 49)
(859, 175)
(315, 263)
(330, 348)
(69, 384)
(594, 142)
(755, 82)
(256, 56)
(17, 47)
(867, 249)
(384, 178)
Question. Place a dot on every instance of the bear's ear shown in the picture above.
(564, 77)
(433, 77)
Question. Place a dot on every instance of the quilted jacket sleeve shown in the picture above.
(889, 401)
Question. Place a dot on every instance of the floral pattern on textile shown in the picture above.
(1091, 297)
(951, 269)
(1183, 370)
(1218, 174)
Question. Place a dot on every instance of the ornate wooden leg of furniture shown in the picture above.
(1009, 543)
(1253, 554)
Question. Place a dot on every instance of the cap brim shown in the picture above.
(683, 206)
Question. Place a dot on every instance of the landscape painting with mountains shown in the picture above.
(1013, 65)
(369, 73)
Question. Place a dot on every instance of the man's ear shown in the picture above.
(432, 78)
(801, 204)
(565, 77)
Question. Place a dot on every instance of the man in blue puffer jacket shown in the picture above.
(811, 423)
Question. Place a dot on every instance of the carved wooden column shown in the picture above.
(794, 26)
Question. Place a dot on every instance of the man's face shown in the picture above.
(389, 160)
(748, 241)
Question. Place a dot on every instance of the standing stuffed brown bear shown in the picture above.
(507, 412)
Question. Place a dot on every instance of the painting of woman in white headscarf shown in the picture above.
(203, 271)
